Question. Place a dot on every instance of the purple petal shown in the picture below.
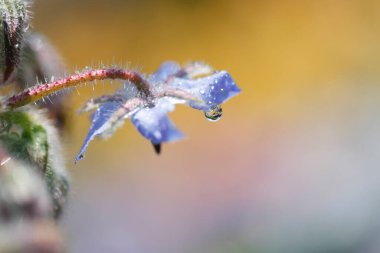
(211, 90)
(99, 124)
(154, 124)
(166, 70)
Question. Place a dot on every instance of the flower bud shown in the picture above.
(14, 23)
(23, 194)
(29, 137)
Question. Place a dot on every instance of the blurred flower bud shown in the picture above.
(29, 137)
(23, 193)
(26, 236)
(14, 23)
(41, 62)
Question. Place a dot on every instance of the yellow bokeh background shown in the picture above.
(291, 167)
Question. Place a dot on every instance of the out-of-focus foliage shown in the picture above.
(41, 62)
(28, 136)
(33, 179)
(14, 23)
(26, 210)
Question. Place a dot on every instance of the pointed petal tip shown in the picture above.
(176, 136)
(78, 158)
(236, 88)
(157, 148)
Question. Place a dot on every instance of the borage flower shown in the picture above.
(169, 85)
(146, 101)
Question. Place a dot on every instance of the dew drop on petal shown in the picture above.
(214, 113)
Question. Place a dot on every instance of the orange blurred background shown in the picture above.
(292, 166)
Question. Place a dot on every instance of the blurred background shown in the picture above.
(292, 166)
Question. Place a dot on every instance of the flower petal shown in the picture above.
(211, 90)
(108, 117)
(166, 70)
(154, 124)
(99, 124)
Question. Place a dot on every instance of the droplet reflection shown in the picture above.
(215, 113)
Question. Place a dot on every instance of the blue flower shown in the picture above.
(195, 84)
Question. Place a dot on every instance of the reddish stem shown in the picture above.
(39, 91)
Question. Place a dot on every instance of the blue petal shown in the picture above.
(154, 124)
(99, 124)
(211, 90)
(166, 70)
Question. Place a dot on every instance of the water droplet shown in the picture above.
(214, 113)
(202, 92)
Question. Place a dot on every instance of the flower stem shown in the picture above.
(42, 90)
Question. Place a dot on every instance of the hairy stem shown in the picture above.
(37, 92)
